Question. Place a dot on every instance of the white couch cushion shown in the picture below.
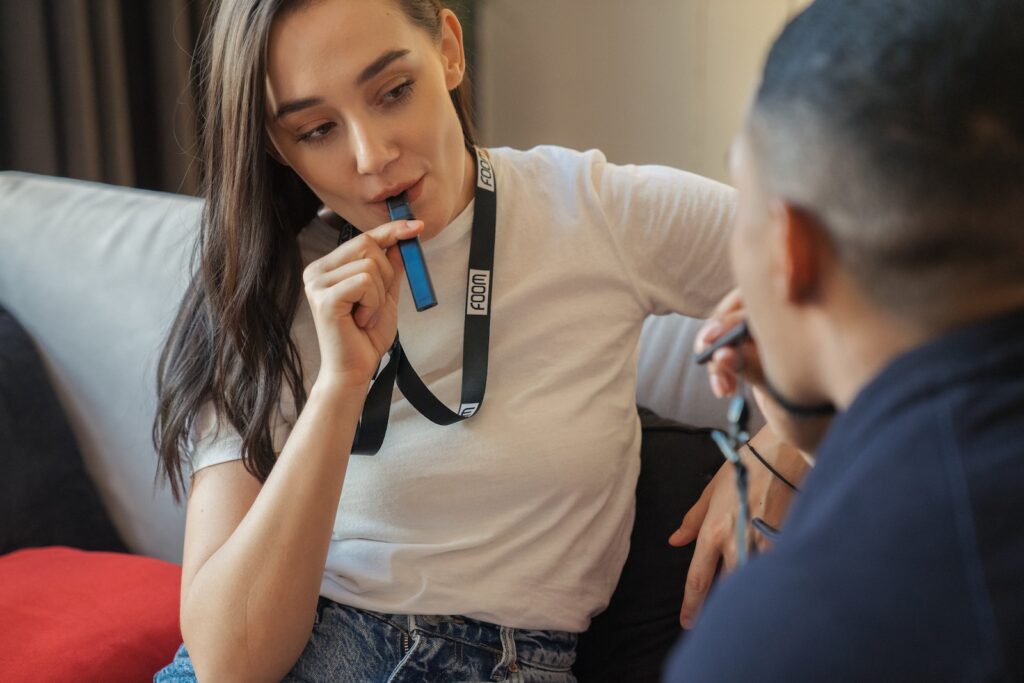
(94, 274)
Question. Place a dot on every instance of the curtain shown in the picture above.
(100, 90)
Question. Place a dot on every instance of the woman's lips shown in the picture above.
(412, 194)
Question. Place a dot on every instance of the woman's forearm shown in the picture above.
(784, 457)
(249, 609)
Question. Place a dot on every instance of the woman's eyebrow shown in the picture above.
(369, 72)
(380, 64)
(296, 105)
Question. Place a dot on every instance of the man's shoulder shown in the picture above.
(835, 603)
(883, 568)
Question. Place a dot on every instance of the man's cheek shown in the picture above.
(735, 249)
(741, 249)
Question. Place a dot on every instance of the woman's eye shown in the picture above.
(398, 94)
(316, 134)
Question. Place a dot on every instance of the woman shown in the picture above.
(473, 551)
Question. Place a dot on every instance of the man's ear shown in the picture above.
(805, 249)
(453, 54)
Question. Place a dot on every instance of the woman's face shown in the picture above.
(358, 106)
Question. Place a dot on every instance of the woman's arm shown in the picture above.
(254, 555)
(671, 231)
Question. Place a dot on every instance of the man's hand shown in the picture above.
(729, 364)
(712, 520)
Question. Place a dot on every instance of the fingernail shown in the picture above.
(716, 386)
(413, 225)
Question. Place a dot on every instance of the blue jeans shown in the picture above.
(350, 644)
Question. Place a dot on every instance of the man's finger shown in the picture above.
(715, 328)
(722, 371)
(733, 301)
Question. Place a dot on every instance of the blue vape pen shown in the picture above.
(412, 255)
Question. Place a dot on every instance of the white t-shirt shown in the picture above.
(520, 515)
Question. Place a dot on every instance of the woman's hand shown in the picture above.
(353, 293)
(712, 520)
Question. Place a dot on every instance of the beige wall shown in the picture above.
(646, 81)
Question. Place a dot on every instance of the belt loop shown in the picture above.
(508, 654)
(318, 613)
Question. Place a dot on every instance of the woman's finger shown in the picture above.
(699, 577)
(730, 553)
(394, 257)
(366, 266)
(348, 297)
(761, 542)
(368, 244)
(357, 249)
(692, 521)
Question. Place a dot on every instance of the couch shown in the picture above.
(90, 276)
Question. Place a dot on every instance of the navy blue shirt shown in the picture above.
(903, 556)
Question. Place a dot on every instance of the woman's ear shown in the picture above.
(453, 54)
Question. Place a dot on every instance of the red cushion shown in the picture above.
(72, 615)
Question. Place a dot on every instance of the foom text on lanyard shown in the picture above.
(485, 172)
(479, 295)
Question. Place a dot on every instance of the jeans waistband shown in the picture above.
(548, 649)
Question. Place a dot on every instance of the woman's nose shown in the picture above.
(373, 150)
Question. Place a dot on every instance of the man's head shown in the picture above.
(881, 169)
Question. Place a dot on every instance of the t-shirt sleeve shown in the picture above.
(214, 440)
(671, 229)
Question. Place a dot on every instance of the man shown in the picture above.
(879, 251)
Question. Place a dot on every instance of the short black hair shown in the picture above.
(900, 125)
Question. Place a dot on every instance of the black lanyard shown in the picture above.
(373, 424)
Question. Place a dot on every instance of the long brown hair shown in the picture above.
(231, 338)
